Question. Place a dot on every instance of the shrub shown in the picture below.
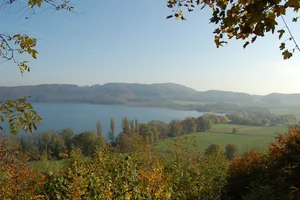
(268, 175)
(212, 149)
(231, 151)
(17, 180)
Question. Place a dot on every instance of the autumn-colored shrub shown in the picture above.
(140, 172)
(194, 175)
(212, 149)
(243, 171)
(231, 151)
(63, 155)
(110, 175)
(268, 175)
(285, 160)
(17, 180)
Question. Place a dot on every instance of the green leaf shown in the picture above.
(30, 3)
(39, 2)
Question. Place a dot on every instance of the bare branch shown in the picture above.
(5, 46)
(287, 27)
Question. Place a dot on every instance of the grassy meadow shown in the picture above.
(246, 138)
(284, 111)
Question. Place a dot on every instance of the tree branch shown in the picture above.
(6, 47)
(287, 27)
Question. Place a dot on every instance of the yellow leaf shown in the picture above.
(39, 2)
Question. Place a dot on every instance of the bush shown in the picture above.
(181, 174)
(110, 175)
(33, 153)
(212, 149)
(268, 175)
(192, 175)
(231, 151)
(17, 180)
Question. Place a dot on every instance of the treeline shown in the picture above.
(260, 119)
(221, 107)
(156, 129)
(180, 173)
(58, 145)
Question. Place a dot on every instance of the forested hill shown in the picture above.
(130, 94)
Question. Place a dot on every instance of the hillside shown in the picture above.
(121, 93)
(283, 100)
(138, 94)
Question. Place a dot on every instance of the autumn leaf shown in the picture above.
(281, 32)
(246, 44)
(282, 46)
(286, 54)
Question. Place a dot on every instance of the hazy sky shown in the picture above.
(131, 41)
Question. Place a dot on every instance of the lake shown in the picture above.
(81, 117)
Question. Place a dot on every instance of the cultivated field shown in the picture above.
(246, 138)
(284, 111)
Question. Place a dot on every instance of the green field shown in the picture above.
(246, 138)
(201, 103)
(284, 111)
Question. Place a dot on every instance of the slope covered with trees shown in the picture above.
(133, 93)
(121, 93)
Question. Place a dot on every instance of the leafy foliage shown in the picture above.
(10, 45)
(89, 142)
(20, 115)
(112, 129)
(268, 175)
(213, 149)
(141, 175)
(141, 172)
(17, 180)
(244, 20)
(110, 175)
(231, 151)
(194, 176)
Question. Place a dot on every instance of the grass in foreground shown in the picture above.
(247, 137)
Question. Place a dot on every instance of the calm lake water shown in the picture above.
(82, 117)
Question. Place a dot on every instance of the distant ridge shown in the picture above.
(133, 94)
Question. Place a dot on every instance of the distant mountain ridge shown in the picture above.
(132, 94)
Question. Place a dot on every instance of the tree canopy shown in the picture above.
(245, 19)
